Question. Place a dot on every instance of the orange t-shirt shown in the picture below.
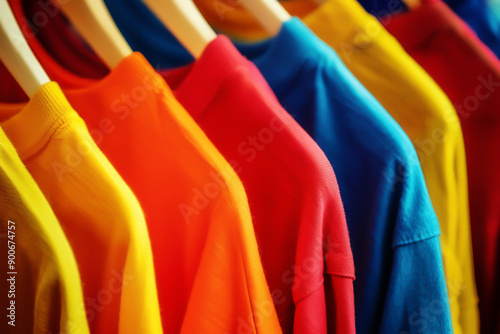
(208, 267)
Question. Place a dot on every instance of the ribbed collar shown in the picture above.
(132, 72)
(29, 126)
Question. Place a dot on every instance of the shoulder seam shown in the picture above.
(417, 239)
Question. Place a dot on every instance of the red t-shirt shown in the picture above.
(469, 73)
(293, 194)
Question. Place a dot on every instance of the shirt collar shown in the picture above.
(31, 125)
(196, 84)
(280, 57)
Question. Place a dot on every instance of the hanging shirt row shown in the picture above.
(319, 166)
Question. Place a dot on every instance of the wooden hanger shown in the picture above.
(270, 14)
(17, 55)
(92, 20)
(185, 21)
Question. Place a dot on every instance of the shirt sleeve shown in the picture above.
(340, 313)
(417, 300)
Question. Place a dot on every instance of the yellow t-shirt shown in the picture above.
(414, 100)
(40, 282)
(98, 212)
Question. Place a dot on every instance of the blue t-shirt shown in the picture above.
(400, 286)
